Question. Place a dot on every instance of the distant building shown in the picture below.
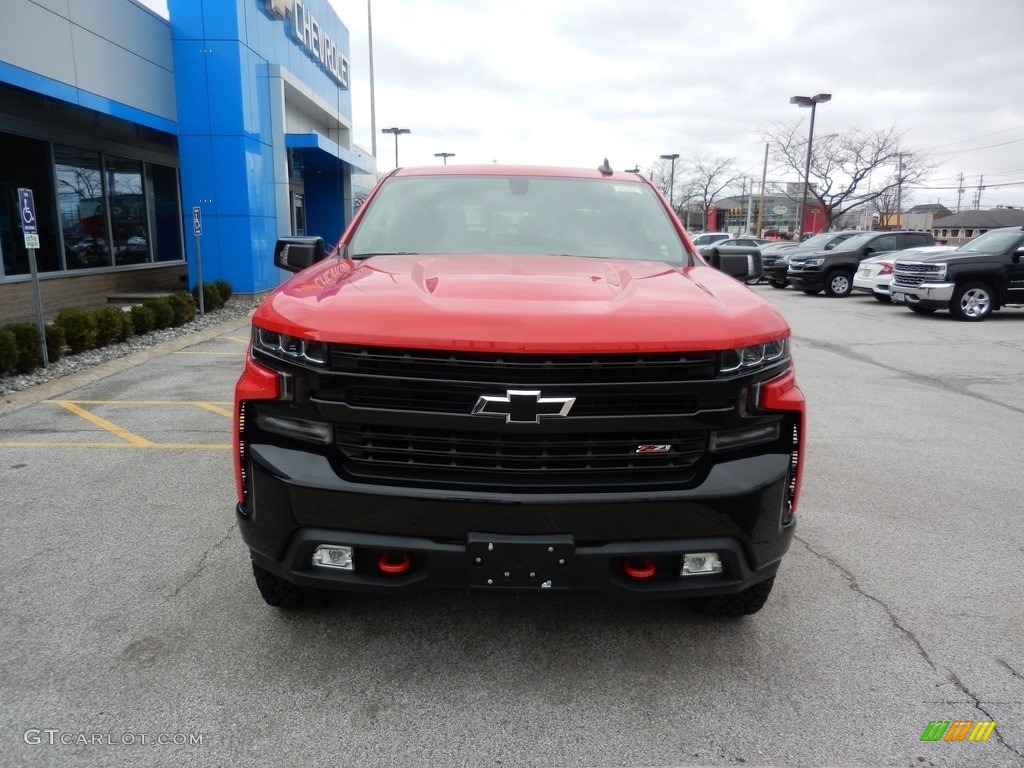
(923, 217)
(780, 212)
(958, 228)
(231, 121)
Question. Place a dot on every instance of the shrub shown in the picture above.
(30, 353)
(108, 325)
(225, 290)
(143, 319)
(163, 314)
(55, 342)
(79, 328)
(211, 297)
(8, 351)
(183, 307)
(127, 326)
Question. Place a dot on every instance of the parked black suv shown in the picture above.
(833, 270)
(776, 265)
(979, 277)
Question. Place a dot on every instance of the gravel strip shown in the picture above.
(237, 307)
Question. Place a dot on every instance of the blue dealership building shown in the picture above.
(226, 125)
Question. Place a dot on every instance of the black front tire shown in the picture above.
(882, 298)
(745, 603)
(811, 291)
(838, 284)
(283, 594)
(920, 310)
(780, 284)
(972, 302)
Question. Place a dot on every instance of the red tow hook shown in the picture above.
(639, 568)
(389, 563)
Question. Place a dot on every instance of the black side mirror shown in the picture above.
(296, 253)
(742, 266)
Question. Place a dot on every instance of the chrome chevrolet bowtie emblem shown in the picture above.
(522, 406)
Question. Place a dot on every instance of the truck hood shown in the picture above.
(520, 303)
(952, 257)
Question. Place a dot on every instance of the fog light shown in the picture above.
(333, 556)
(699, 563)
(289, 426)
(741, 438)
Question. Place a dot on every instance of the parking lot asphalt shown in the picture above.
(131, 632)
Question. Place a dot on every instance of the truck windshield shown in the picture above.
(454, 214)
(991, 242)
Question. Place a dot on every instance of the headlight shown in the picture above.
(289, 347)
(940, 270)
(755, 356)
(814, 262)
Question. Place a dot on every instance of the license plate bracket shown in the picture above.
(896, 296)
(504, 561)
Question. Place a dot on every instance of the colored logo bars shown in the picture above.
(958, 730)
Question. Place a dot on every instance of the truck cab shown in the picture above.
(833, 270)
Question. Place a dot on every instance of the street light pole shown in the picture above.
(672, 181)
(812, 102)
(396, 131)
(444, 155)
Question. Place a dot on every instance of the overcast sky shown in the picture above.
(569, 82)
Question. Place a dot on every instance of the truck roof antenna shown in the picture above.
(605, 169)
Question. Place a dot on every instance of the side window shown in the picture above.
(916, 240)
(885, 243)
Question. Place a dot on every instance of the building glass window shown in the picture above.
(129, 231)
(164, 213)
(25, 162)
(82, 207)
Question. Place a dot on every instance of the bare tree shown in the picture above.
(842, 164)
(706, 178)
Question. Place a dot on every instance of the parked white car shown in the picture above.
(704, 239)
(875, 272)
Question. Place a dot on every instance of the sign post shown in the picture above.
(30, 228)
(197, 230)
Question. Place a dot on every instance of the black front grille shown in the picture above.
(535, 370)
(452, 398)
(405, 417)
(373, 452)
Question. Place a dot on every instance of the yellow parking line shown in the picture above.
(124, 434)
(174, 446)
(214, 409)
(143, 402)
(186, 352)
(235, 338)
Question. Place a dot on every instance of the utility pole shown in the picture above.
(750, 206)
(959, 192)
(373, 106)
(899, 191)
(977, 199)
(764, 179)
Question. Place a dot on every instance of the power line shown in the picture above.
(974, 138)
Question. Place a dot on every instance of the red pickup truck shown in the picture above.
(516, 379)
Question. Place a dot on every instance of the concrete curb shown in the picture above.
(51, 389)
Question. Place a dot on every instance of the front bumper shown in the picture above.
(864, 285)
(297, 502)
(935, 295)
(806, 280)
